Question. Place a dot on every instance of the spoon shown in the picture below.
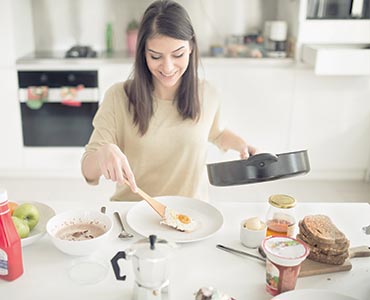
(260, 251)
(123, 234)
(235, 251)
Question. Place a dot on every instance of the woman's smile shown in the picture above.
(167, 59)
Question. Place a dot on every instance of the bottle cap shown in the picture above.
(3, 195)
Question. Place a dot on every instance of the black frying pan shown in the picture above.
(258, 168)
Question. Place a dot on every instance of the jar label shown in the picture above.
(272, 278)
(3, 263)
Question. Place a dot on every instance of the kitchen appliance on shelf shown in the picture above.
(57, 107)
(80, 52)
(275, 37)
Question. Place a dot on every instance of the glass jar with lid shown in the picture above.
(280, 218)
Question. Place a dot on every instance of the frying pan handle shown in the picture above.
(262, 159)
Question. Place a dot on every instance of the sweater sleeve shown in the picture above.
(104, 124)
(218, 126)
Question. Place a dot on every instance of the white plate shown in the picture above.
(46, 212)
(310, 294)
(145, 221)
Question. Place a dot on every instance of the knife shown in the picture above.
(231, 250)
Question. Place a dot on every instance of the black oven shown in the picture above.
(62, 115)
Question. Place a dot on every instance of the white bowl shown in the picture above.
(79, 247)
(46, 212)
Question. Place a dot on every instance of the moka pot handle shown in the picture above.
(115, 266)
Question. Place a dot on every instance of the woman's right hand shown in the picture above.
(114, 165)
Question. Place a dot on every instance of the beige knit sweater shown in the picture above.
(170, 158)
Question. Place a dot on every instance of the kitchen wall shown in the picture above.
(285, 108)
(58, 25)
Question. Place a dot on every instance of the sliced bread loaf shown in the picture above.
(337, 246)
(321, 229)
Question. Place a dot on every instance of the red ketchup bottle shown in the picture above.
(11, 263)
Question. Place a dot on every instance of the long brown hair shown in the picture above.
(168, 18)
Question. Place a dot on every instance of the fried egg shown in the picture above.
(178, 221)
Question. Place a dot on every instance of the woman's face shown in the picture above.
(167, 59)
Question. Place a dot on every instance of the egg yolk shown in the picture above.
(183, 219)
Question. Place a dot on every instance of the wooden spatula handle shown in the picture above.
(157, 206)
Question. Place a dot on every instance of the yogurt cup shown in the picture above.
(283, 263)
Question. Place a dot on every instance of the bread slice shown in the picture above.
(334, 250)
(328, 259)
(321, 229)
(326, 242)
(337, 247)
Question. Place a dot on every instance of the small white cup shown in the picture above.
(252, 237)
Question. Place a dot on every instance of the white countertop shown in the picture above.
(48, 59)
(194, 265)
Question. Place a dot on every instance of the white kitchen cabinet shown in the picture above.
(7, 53)
(338, 59)
(288, 108)
(337, 47)
(16, 31)
(331, 119)
(256, 101)
(10, 122)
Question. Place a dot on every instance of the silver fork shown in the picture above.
(123, 234)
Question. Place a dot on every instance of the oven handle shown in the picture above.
(54, 95)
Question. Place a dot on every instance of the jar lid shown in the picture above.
(3, 195)
(282, 201)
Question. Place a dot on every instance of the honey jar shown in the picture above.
(280, 218)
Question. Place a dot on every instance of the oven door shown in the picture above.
(66, 105)
(56, 124)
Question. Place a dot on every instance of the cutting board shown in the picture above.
(310, 267)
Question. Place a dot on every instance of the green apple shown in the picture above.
(29, 213)
(21, 226)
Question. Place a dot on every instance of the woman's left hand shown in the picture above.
(247, 151)
(230, 140)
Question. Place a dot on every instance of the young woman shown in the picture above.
(154, 129)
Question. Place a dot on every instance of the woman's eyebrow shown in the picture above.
(151, 50)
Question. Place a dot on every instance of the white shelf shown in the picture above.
(347, 60)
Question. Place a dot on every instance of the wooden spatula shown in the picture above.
(157, 206)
